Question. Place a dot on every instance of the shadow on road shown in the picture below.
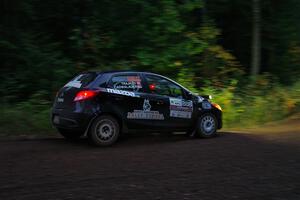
(131, 139)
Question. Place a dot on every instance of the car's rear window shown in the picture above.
(82, 80)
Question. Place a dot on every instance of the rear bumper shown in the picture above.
(64, 119)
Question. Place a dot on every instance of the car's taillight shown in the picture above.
(85, 94)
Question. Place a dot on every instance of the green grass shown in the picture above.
(25, 119)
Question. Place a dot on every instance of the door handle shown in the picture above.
(160, 102)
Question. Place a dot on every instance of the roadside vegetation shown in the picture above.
(252, 105)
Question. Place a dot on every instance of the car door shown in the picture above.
(124, 96)
(153, 112)
(147, 111)
(172, 101)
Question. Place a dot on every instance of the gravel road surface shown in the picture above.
(263, 164)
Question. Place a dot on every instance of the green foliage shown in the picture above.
(37, 68)
(249, 104)
(255, 103)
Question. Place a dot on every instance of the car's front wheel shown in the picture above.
(104, 131)
(207, 125)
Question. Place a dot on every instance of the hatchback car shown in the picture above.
(104, 105)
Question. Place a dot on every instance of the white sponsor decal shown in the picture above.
(181, 102)
(186, 103)
(132, 83)
(146, 113)
(75, 84)
(147, 105)
(180, 114)
(128, 85)
(181, 108)
(121, 92)
(140, 114)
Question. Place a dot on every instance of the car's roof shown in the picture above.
(119, 71)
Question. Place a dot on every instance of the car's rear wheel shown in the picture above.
(207, 126)
(104, 131)
(69, 134)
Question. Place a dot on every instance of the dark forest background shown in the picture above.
(245, 53)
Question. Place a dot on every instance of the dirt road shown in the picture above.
(261, 165)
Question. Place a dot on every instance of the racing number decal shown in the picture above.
(181, 108)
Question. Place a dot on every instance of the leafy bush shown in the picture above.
(257, 102)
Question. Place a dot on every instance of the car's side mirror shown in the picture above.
(208, 97)
(189, 95)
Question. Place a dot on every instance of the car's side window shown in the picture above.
(132, 82)
(161, 86)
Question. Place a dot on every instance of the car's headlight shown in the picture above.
(206, 105)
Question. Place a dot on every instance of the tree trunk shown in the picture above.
(256, 38)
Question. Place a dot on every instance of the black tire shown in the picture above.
(70, 135)
(104, 131)
(207, 126)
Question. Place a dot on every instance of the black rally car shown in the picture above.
(102, 105)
